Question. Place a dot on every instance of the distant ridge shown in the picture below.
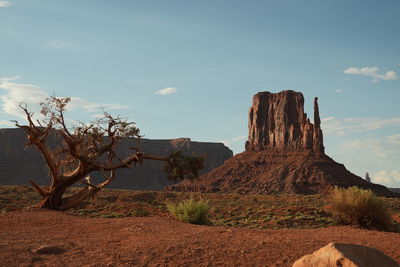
(19, 165)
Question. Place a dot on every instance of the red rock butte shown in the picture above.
(284, 154)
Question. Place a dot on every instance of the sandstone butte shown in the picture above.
(284, 153)
(18, 164)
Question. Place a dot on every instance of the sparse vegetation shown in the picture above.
(190, 210)
(232, 210)
(139, 213)
(362, 208)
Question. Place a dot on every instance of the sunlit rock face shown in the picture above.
(278, 122)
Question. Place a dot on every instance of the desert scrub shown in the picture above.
(190, 210)
(362, 208)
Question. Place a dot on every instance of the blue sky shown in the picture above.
(190, 68)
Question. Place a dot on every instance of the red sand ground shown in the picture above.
(162, 241)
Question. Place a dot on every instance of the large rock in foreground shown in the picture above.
(19, 165)
(346, 255)
(284, 154)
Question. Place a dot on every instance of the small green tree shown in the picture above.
(359, 207)
(89, 147)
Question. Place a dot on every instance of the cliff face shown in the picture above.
(284, 153)
(278, 121)
(18, 165)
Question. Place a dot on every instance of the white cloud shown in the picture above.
(336, 126)
(233, 140)
(225, 142)
(372, 72)
(383, 147)
(58, 44)
(5, 123)
(239, 138)
(77, 102)
(15, 93)
(5, 4)
(390, 178)
(338, 91)
(166, 91)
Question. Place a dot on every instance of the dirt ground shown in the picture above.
(163, 241)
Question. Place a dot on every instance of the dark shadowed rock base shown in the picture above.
(269, 172)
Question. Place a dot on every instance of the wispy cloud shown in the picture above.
(233, 140)
(390, 178)
(77, 102)
(166, 91)
(338, 91)
(336, 126)
(382, 147)
(372, 72)
(15, 93)
(5, 4)
(5, 123)
(58, 44)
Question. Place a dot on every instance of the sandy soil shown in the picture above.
(162, 241)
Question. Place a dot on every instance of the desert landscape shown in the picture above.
(199, 133)
(267, 206)
(131, 228)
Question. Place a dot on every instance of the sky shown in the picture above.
(190, 68)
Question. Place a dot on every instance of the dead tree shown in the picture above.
(87, 148)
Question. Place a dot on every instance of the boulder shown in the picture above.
(346, 255)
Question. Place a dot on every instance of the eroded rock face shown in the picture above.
(18, 165)
(346, 255)
(284, 154)
(278, 122)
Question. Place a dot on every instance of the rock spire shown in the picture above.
(277, 122)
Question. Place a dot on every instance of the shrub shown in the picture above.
(362, 208)
(139, 213)
(190, 211)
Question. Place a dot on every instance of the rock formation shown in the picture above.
(346, 255)
(367, 178)
(19, 165)
(278, 121)
(284, 153)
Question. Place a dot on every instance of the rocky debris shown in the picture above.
(47, 249)
(278, 121)
(18, 164)
(284, 154)
(346, 255)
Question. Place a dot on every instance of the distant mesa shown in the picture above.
(18, 165)
(284, 154)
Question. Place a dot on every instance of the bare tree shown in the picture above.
(87, 148)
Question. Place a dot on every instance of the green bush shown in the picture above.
(362, 208)
(139, 213)
(190, 211)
